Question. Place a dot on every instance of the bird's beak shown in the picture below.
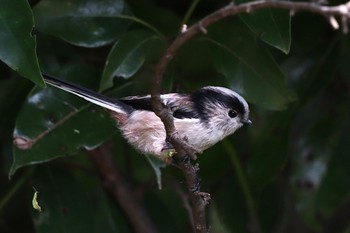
(247, 122)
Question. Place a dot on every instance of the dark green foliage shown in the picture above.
(289, 172)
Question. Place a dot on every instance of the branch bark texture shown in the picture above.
(121, 191)
(198, 199)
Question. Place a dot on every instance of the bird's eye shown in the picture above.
(232, 113)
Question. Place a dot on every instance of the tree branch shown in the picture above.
(121, 190)
(181, 146)
(330, 12)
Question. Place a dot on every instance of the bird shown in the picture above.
(204, 117)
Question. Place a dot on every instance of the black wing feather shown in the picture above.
(180, 104)
(138, 102)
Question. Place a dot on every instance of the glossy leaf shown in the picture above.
(127, 56)
(17, 43)
(53, 123)
(273, 26)
(84, 23)
(249, 67)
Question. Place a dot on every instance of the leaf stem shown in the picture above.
(15, 188)
(144, 23)
(242, 180)
(190, 11)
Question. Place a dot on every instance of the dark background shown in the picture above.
(289, 172)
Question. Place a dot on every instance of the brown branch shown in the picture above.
(121, 191)
(185, 202)
(199, 200)
(342, 11)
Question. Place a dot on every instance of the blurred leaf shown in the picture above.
(68, 206)
(335, 187)
(156, 164)
(344, 59)
(62, 211)
(249, 67)
(271, 25)
(242, 181)
(13, 90)
(194, 62)
(52, 51)
(269, 204)
(17, 44)
(127, 56)
(208, 160)
(62, 123)
(107, 216)
(310, 164)
(164, 19)
(312, 71)
(169, 215)
(230, 207)
(267, 159)
(216, 223)
(86, 23)
(314, 139)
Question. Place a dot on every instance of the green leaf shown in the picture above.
(311, 161)
(86, 23)
(68, 205)
(53, 123)
(216, 222)
(320, 156)
(17, 43)
(249, 67)
(108, 217)
(334, 189)
(267, 160)
(271, 25)
(127, 55)
(230, 207)
(62, 211)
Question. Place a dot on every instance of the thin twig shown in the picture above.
(199, 199)
(230, 10)
(186, 203)
(121, 190)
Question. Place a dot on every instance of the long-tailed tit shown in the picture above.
(204, 117)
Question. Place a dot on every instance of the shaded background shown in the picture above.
(289, 172)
